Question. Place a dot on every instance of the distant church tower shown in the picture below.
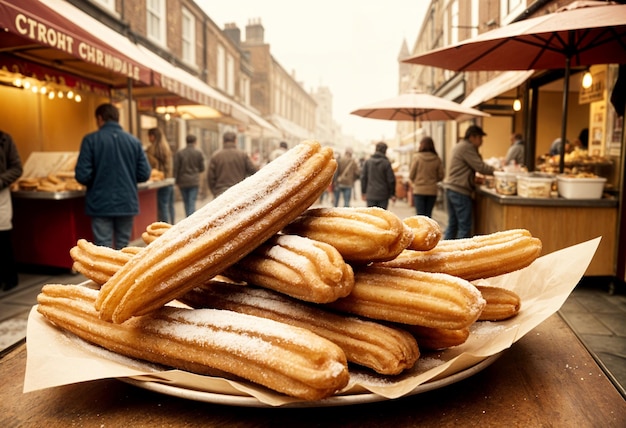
(404, 69)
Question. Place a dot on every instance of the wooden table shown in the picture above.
(546, 379)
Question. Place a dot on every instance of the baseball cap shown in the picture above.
(474, 130)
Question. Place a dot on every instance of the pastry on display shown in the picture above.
(501, 303)
(481, 256)
(384, 349)
(219, 234)
(426, 232)
(408, 296)
(299, 267)
(361, 235)
(284, 358)
(436, 339)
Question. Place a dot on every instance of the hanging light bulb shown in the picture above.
(17, 82)
(587, 80)
(517, 105)
(70, 94)
(78, 98)
(51, 95)
(167, 116)
(34, 88)
(26, 84)
(60, 94)
(43, 90)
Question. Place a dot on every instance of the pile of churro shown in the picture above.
(288, 296)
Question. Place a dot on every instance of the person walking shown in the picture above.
(425, 174)
(378, 182)
(228, 166)
(515, 153)
(110, 163)
(10, 171)
(346, 174)
(188, 165)
(280, 150)
(160, 158)
(460, 183)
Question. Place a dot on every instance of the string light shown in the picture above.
(39, 87)
(517, 105)
(587, 80)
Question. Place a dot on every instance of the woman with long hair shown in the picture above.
(425, 174)
(160, 157)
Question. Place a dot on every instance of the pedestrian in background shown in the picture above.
(460, 183)
(378, 181)
(188, 165)
(110, 163)
(515, 153)
(228, 166)
(280, 150)
(425, 174)
(10, 171)
(160, 158)
(345, 175)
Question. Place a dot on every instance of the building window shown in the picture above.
(189, 37)
(107, 4)
(509, 9)
(156, 21)
(230, 75)
(221, 68)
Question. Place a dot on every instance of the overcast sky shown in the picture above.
(350, 46)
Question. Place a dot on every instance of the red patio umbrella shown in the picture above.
(580, 34)
(416, 105)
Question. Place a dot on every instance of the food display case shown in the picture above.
(47, 224)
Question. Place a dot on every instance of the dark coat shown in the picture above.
(378, 182)
(111, 162)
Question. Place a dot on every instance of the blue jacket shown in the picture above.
(111, 162)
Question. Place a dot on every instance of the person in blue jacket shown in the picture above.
(110, 164)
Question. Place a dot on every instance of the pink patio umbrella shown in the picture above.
(414, 106)
(580, 34)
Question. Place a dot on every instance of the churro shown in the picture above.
(501, 303)
(436, 339)
(299, 267)
(219, 234)
(154, 230)
(411, 297)
(361, 235)
(384, 349)
(426, 232)
(287, 359)
(482, 256)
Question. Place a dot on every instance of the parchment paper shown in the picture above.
(57, 358)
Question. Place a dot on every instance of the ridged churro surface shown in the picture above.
(284, 358)
(501, 303)
(410, 297)
(426, 232)
(474, 258)
(299, 267)
(361, 234)
(219, 234)
(384, 349)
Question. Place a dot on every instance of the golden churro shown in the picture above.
(384, 349)
(426, 232)
(219, 234)
(298, 267)
(410, 297)
(501, 303)
(284, 358)
(435, 339)
(482, 256)
(361, 235)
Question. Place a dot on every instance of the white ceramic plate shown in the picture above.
(339, 400)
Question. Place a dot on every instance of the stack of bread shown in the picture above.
(284, 295)
(54, 182)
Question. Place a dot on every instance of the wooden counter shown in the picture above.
(546, 379)
(558, 222)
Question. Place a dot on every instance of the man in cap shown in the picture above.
(460, 183)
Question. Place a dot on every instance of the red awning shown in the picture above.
(33, 31)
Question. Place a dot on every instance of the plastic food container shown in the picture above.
(580, 187)
(534, 185)
(506, 182)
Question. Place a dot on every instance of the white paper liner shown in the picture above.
(56, 358)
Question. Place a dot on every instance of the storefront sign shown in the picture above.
(45, 35)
